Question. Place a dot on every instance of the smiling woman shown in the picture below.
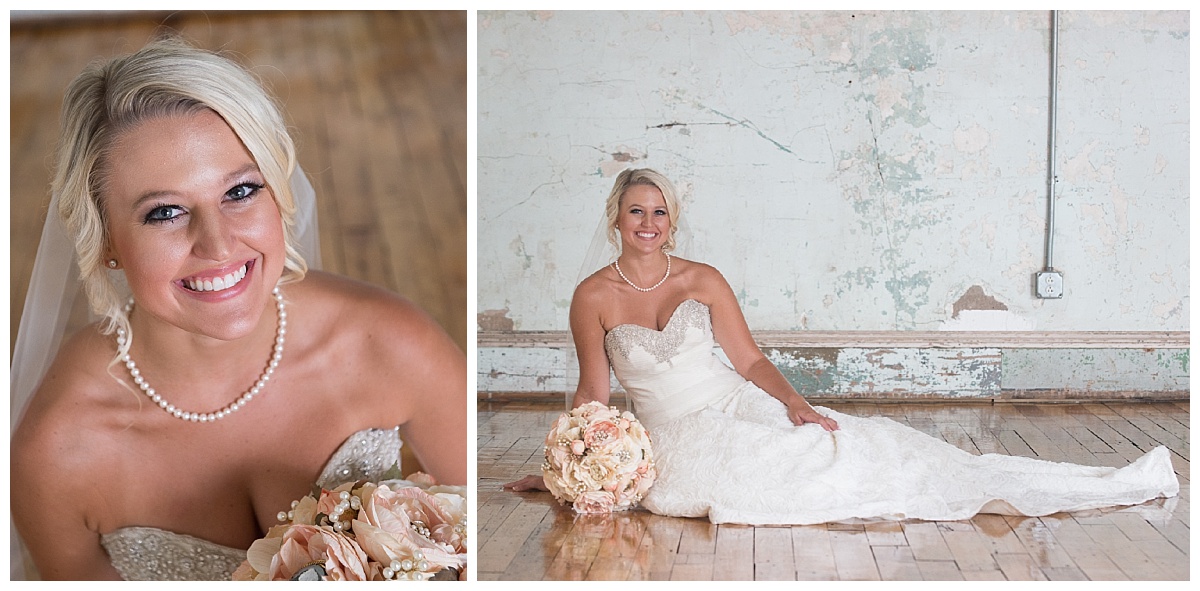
(177, 183)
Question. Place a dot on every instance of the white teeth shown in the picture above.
(217, 283)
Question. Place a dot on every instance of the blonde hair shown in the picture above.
(641, 176)
(166, 77)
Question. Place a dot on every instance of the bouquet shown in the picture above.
(598, 459)
(363, 531)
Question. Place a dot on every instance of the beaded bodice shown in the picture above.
(660, 344)
(670, 372)
(147, 553)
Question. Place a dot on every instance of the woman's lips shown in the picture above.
(220, 283)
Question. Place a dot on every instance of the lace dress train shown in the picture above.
(727, 451)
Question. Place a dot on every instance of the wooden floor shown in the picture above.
(377, 104)
(528, 536)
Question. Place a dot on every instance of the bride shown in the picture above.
(741, 445)
(233, 378)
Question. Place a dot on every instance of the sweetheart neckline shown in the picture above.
(130, 529)
(665, 326)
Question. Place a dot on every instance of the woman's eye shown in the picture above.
(243, 191)
(635, 211)
(660, 212)
(163, 213)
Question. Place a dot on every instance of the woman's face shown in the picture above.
(193, 225)
(642, 219)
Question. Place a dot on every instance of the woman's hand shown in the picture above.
(801, 412)
(528, 483)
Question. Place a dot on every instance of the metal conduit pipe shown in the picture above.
(1052, 177)
(1049, 283)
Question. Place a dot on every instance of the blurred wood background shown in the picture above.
(377, 105)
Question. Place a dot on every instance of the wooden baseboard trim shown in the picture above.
(897, 339)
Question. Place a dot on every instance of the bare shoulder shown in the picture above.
(595, 285)
(701, 279)
(347, 306)
(380, 341)
(61, 435)
(593, 295)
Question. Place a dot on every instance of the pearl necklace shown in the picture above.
(232, 407)
(617, 264)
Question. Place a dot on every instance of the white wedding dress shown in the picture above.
(726, 450)
(152, 554)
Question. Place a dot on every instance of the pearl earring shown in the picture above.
(112, 263)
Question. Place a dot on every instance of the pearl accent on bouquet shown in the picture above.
(408, 569)
(195, 417)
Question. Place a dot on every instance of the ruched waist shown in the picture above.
(659, 401)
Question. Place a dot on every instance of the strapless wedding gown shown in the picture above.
(151, 554)
(725, 449)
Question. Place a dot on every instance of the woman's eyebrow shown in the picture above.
(163, 193)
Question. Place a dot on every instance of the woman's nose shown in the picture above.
(212, 238)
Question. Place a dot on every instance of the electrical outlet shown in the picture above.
(1049, 285)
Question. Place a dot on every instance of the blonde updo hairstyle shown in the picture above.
(641, 176)
(167, 77)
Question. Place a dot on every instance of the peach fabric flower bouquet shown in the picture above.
(598, 459)
(362, 531)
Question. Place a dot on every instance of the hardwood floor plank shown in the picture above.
(939, 570)
(852, 556)
(1019, 567)
(813, 553)
(772, 545)
(1039, 542)
(692, 572)
(699, 537)
(970, 550)
(1123, 552)
(502, 546)
(925, 539)
(885, 533)
(896, 563)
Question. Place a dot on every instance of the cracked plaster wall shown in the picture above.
(845, 170)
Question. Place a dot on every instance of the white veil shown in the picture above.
(53, 290)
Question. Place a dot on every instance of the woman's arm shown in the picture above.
(49, 502)
(732, 333)
(588, 332)
(412, 373)
(437, 429)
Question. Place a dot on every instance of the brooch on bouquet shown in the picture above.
(395, 529)
(598, 459)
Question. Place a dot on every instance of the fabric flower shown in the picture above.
(594, 502)
(287, 549)
(392, 525)
(422, 479)
(601, 435)
(305, 512)
(329, 500)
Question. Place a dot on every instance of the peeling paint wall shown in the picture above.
(881, 373)
(846, 170)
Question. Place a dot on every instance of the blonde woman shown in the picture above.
(740, 445)
(230, 379)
